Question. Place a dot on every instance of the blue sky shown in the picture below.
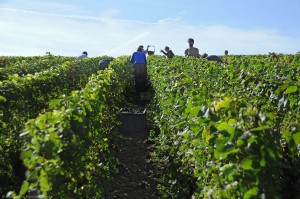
(117, 27)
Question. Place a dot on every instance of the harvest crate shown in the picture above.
(133, 119)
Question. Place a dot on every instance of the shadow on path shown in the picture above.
(135, 179)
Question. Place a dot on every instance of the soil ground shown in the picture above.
(136, 176)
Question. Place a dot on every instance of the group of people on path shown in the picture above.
(189, 52)
(139, 61)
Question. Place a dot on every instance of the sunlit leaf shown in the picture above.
(247, 164)
(24, 188)
(251, 193)
(296, 137)
(291, 89)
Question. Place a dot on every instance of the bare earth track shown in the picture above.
(136, 176)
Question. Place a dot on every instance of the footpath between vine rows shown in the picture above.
(137, 177)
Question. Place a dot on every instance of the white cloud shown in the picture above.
(45, 14)
(110, 13)
(41, 6)
(29, 32)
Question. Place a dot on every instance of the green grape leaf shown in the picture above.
(291, 89)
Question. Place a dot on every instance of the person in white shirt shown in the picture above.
(83, 55)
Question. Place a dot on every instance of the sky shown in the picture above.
(118, 27)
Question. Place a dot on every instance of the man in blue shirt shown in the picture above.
(139, 56)
(138, 59)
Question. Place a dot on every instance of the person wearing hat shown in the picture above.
(191, 51)
(169, 53)
(83, 55)
(139, 61)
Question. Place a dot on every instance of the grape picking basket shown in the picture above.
(151, 52)
(133, 119)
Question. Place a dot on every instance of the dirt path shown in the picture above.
(135, 179)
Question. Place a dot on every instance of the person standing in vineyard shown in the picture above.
(139, 61)
(83, 55)
(191, 51)
(169, 53)
(212, 58)
(139, 57)
(144, 51)
(225, 57)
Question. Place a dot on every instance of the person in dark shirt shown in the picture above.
(145, 51)
(225, 57)
(103, 64)
(212, 58)
(169, 53)
(139, 61)
(226, 52)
